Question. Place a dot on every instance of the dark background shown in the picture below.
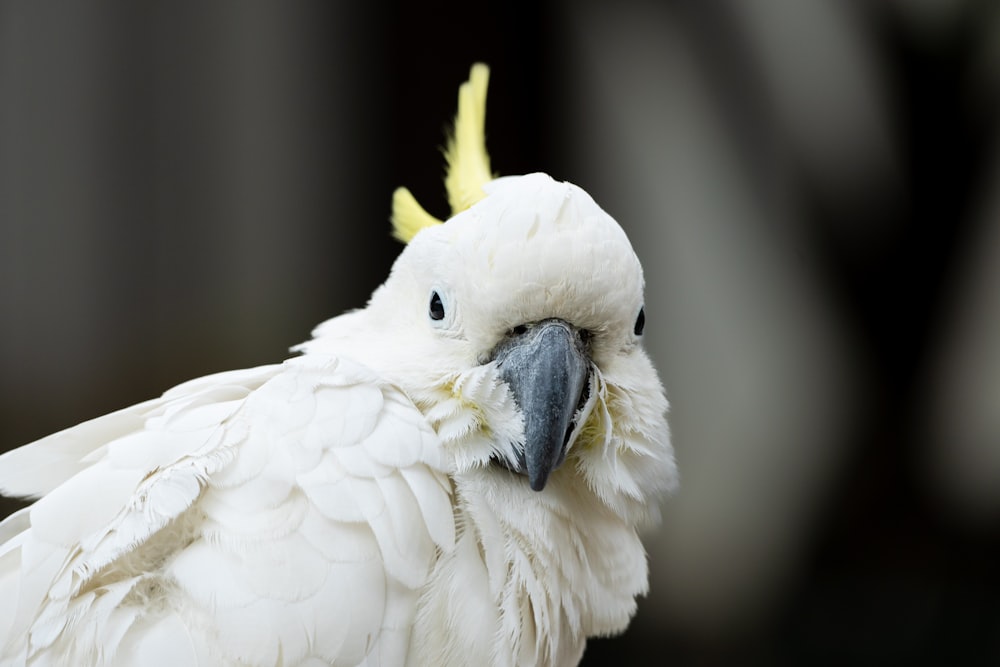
(812, 186)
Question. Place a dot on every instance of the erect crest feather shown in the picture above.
(468, 162)
(408, 216)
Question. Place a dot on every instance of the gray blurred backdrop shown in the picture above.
(188, 187)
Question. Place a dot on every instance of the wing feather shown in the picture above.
(436, 509)
(36, 469)
(289, 511)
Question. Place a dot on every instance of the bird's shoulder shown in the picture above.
(283, 491)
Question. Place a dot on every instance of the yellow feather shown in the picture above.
(468, 162)
(408, 216)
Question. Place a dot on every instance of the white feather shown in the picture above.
(158, 642)
(36, 469)
(191, 531)
(63, 518)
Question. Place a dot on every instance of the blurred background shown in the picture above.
(813, 187)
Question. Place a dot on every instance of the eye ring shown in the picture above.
(436, 308)
(640, 321)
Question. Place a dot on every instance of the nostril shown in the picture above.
(519, 330)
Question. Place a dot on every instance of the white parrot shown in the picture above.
(453, 475)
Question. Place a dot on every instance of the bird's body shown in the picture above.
(427, 484)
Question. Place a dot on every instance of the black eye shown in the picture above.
(640, 322)
(437, 308)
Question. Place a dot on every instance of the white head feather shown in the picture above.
(532, 249)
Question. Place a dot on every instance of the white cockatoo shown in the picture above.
(453, 475)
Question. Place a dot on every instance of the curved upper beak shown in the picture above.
(546, 367)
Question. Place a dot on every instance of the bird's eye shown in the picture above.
(640, 322)
(436, 309)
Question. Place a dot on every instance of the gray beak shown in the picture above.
(546, 367)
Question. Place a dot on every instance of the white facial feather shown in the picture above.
(532, 249)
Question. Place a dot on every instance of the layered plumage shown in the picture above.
(368, 502)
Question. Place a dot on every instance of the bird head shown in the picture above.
(516, 326)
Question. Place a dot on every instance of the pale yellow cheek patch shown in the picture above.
(594, 432)
(598, 429)
(478, 414)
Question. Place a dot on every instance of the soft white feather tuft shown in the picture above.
(221, 510)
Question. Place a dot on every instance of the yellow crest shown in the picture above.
(466, 156)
